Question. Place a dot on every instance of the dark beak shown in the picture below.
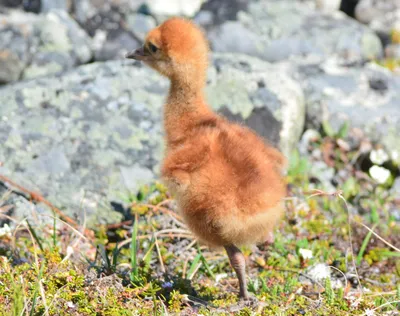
(138, 54)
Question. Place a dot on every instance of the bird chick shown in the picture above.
(227, 182)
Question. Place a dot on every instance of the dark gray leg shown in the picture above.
(238, 263)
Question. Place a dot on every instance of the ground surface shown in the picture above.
(324, 260)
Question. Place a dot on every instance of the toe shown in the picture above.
(250, 301)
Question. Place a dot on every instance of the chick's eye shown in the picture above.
(153, 48)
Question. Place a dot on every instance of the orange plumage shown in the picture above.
(226, 180)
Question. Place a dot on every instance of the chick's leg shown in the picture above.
(238, 263)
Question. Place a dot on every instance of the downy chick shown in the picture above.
(227, 182)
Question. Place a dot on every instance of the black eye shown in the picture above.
(153, 48)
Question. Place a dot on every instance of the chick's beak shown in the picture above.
(138, 54)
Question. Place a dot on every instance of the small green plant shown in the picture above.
(108, 263)
(390, 63)
(350, 188)
(329, 131)
(395, 36)
(330, 293)
(299, 168)
(197, 262)
(37, 288)
(18, 295)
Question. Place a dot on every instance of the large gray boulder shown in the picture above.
(14, 54)
(36, 45)
(276, 30)
(16, 31)
(262, 95)
(48, 5)
(84, 138)
(83, 10)
(366, 96)
(140, 24)
(94, 134)
(113, 30)
(382, 16)
(215, 12)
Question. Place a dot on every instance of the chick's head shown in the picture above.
(176, 49)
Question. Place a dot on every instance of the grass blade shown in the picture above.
(54, 231)
(37, 289)
(364, 246)
(391, 254)
(106, 260)
(35, 236)
(204, 261)
(194, 266)
(147, 256)
(116, 252)
(134, 265)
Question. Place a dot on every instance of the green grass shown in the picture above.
(134, 242)
(155, 267)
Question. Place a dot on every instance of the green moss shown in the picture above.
(389, 63)
(395, 36)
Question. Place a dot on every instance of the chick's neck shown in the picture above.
(185, 107)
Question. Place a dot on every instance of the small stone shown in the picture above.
(379, 174)
(136, 176)
(343, 144)
(395, 213)
(174, 7)
(336, 263)
(382, 16)
(34, 6)
(378, 84)
(301, 311)
(328, 6)
(395, 155)
(167, 285)
(353, 281)
(323, 173)
(396, 187)
(317, 272)
(5, 231)
(309, 136)
(378, 156)
(48, 5)
(220, 276)
(306, 253)
(14, 48)
(393, 51)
